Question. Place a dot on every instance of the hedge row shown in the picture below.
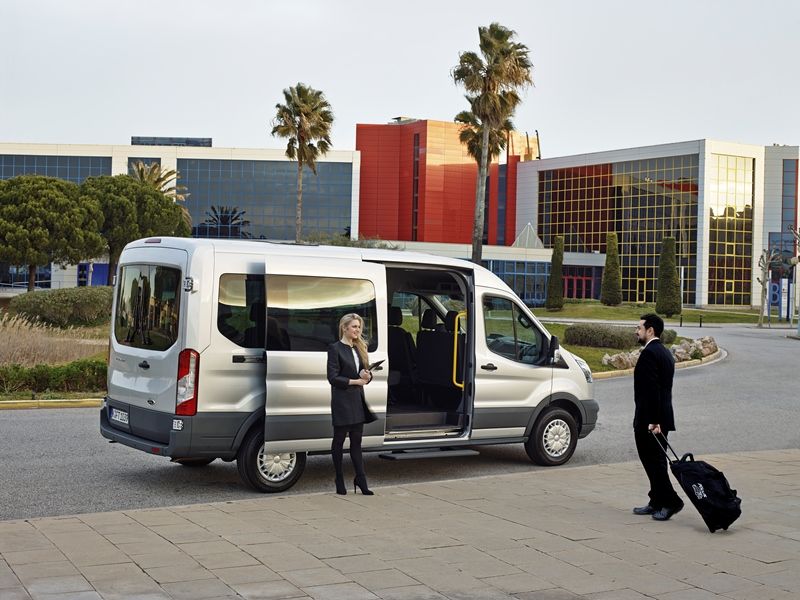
(78, 306)
(88, 375)
(608, 336)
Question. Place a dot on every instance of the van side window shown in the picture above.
(147, 306)
(509, 331)
(302, 313)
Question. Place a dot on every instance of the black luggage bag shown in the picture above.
(707, 488)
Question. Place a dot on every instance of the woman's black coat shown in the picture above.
(348, 406)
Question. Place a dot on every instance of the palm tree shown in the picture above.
(493, 80)
(304, 119)
(228, 217)
(471, 135)
(165, 181)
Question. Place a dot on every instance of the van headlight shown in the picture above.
(587, 372)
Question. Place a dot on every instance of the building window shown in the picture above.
(642, 201)
(729, 197)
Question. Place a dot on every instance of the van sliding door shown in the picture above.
(305, 300)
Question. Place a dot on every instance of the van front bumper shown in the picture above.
(590, 408)
(200, 436)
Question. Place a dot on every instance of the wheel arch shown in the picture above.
(563, 400)
(256, 418)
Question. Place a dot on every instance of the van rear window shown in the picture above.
(302, 313)
(147, 306)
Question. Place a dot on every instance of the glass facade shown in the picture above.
(257, 198)
(642, 201)
(71, 168)
(729, 198)
(528, 279)
(783, 241)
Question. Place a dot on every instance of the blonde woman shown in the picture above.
(348, 374)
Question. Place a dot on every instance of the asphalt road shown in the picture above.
(54, 462)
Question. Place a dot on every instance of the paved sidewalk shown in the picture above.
(548, 534)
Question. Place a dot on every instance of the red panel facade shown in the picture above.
(445, 186)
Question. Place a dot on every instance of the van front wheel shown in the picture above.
(553, 439)
(265, 472)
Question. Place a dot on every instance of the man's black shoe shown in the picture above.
(644, 510)
(665, 513)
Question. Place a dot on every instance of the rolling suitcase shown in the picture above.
(707, 488)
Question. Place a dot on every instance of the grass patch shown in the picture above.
(593, 309)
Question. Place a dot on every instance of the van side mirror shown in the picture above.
(552, 349)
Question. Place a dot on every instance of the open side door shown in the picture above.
(305, 300)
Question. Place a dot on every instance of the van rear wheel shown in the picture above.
(266, 472)
(553, 439)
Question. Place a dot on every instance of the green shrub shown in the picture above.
(555, 283)
(87, 375)
(668, 336)
(600, 336)
(611, 283)
(69, 306)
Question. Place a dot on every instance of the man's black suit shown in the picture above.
(652, 395)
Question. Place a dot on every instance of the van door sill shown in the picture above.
(422, 433)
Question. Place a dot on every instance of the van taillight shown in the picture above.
(186, 397)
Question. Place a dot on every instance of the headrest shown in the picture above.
(428, 319)
(395, 316)
(450, 320)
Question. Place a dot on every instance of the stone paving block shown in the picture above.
(380, 580)
(551, 594)
(487, 567)
(332, 550)
(128, 588)
(252, 574)
(53, 525)
(174, 559)
(201, 548)
(517, 583)
(156, 517)
(14, 593)
(236, 558)
(788, 580)
(133, 535)
(340, 591)
(247, 539)
(272, 590)
(172, 574)
(720, 583)
(158, 544)
(691, 594)
(283, 557)
(88, 595)
(8, 579)
(196, 590)
(28, 539)
(50, 554)
(304, 578)
(761, 592)
(625, 594)
(54, 585)
(48, 569)
(357, 564)
(411, 592)
(184, 533)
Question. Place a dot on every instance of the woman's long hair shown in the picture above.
(360, 344)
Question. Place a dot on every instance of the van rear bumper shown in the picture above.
(214, 435)
(589, 408)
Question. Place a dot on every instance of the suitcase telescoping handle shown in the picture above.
(686, 457)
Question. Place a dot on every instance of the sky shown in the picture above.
(608, 74)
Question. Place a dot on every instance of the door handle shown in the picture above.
(144, 365)
(248, 358)
(489, 367)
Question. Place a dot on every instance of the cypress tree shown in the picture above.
(668, 297)
(611, 287)
(555, 285)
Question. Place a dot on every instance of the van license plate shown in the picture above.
(120, 416)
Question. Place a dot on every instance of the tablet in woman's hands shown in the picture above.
(376, 364)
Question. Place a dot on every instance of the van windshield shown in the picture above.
(147, 306)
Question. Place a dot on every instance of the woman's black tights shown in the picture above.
(356, 432)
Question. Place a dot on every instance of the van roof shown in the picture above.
(482, 275)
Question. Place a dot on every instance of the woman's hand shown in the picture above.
(365, 375)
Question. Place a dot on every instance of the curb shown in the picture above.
(718, 355)
(27, 404)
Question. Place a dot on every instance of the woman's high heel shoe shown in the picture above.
(341, 488)
(361, 483)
